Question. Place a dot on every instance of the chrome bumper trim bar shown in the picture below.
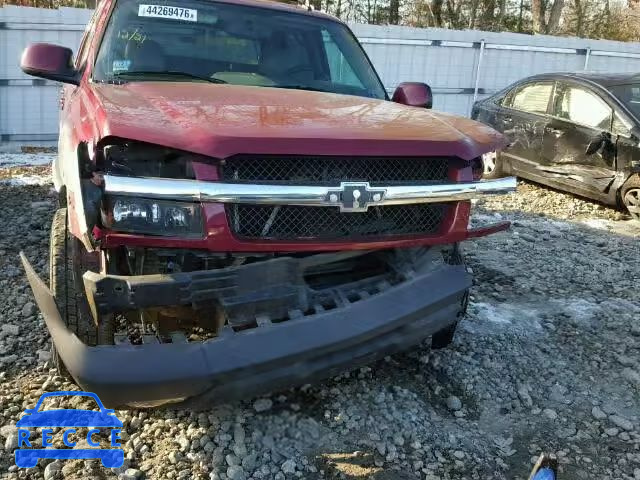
(349, 196)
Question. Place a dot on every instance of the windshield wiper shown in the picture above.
(170, 73)
(302, 87)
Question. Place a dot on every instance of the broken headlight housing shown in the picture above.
(153, 217)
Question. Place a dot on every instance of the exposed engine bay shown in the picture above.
(167, 294)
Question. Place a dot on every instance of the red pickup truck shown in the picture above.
(242, 206)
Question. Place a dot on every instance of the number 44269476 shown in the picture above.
(167, 11)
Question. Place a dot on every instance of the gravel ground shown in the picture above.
(546, 360)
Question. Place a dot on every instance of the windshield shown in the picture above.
(629, 95)
(225, 43)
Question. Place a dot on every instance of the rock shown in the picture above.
(7, 430)
(566, 432)
(174, 457)
(28, 309)
(454, 403)
(598, 414)
(621, 422)
(51, 470)
(137, 444)
(183, 442)
(240, 449)
(612, 432)
(135, 423)
(632, 376)
(231, 459)
(625, 360)
(262, 405)
(44, 355)
(238, 434)
(9, 359)
(10, 329)
(289, 467)
(558, 392)
(249, 462)
(131, 474)
(550, 413)
(11, 442)
(70, 469)
(235, 472)
(525, 398)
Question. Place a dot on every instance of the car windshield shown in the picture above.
(225, 43)
(629, 95)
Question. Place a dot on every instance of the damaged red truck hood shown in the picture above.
(223, 120)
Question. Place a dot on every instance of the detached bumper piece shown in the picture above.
(242, 364)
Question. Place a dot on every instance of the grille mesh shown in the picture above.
(324, 170)
(290, 222)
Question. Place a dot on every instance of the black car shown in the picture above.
(577, 132)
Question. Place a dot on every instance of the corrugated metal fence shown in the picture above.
(464, 65)
(459, 65)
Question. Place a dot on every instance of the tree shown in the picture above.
(611, 19)
(540, 11)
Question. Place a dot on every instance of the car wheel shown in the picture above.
(444, 337)
(491, 165)
(631, 197)
(66, 266)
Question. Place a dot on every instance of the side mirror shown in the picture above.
(49, 61)
(413, 94)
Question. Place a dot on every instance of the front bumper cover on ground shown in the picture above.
(239, 365)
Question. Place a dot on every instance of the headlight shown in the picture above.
(154, 217)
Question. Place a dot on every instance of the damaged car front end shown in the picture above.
(196, 324)
(340, 328)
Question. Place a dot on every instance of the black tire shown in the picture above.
(494, 172)
(65, 282)
(630, 196)
(444, 337)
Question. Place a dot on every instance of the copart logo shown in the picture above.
(33, 447)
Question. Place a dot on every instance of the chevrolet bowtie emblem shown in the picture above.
(354, 196)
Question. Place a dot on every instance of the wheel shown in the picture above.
(630, 195)
(444, 337)
(491, 167)
(66, 266)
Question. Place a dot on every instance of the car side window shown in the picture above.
(579, 105)
(532, 98)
